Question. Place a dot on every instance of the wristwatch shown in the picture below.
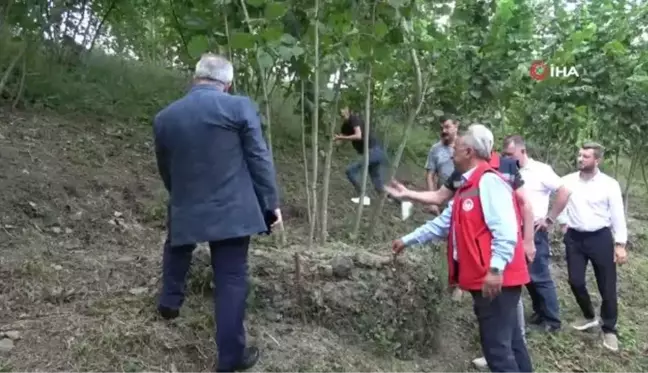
(494, 271)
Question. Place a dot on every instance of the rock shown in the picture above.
(56, 230)
(138, 291)
(6, 345)
(57, 267)
(125, 259)
(342, 266)
(369, 260)
(12, 334)
(73, 244)
(326, 270)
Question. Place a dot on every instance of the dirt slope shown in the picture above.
(80, 236)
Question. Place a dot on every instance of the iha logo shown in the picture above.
(539, 71)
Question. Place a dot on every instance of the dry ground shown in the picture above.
(80, 234)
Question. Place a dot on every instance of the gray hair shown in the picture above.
(480, 139)
(214, 67)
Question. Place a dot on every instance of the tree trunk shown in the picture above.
(305, 157)
(314, 131)
(323, 233)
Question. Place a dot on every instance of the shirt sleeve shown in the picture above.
(433, 230)
(550, 179)
(430, 165)
(617, 213)
(562, 217)
(499, 213)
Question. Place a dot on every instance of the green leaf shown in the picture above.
(638, 78)
(255, 3)
(286, 53)
(265, 60)
(274, 10)
(272, 34)
(397, 3)
(475, 94)
(380, 29)
(241, 40)
(288, 39)
(198, 45)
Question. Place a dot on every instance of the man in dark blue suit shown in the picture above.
(217, 168)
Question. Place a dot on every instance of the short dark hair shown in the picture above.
(598, 149)
(452, 119)
(516, 140)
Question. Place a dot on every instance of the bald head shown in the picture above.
(214, 68)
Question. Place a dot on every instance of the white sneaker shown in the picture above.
(585, 324)
(611, 342)
(406, 210)
(366, 202)
(480, 363)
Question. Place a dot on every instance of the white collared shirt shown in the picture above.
(540, 181)
(595, 204)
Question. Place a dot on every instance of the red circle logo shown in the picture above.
(539, 70)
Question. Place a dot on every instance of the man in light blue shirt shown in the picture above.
(495, 306)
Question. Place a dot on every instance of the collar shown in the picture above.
(466, 175)
(593, 178)
(530, 163)
(207, 87)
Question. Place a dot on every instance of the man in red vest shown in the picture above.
(485, 250)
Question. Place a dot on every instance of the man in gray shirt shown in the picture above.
(439, 163)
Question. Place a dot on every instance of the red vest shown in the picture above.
(494, 160)
(474, 239)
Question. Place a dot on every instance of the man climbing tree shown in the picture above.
(353, 129)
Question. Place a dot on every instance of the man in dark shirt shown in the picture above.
(353, 129)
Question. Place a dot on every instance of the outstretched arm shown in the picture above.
(434, 197)
(433, 230)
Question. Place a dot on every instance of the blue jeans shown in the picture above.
(377, 159)
(229, 261)
(542, 288)
(499, 331)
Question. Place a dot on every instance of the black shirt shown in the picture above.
(348, 128)
(508, 167)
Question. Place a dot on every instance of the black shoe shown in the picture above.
(168, 313)
(250, 358)
(548, 328)
(535, 319)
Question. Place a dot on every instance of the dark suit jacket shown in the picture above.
(216, 166)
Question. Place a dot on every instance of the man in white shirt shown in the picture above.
(540, 182)
(595, 205)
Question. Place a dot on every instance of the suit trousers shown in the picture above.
(229, 261)
(499, 331)
(596, 247)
